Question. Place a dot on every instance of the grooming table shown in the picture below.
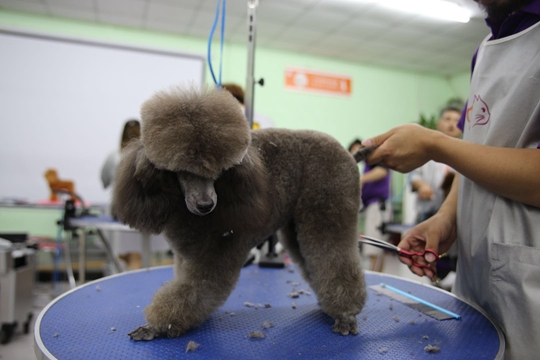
(101, 223)
(93, 320)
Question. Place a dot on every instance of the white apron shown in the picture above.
(499, 239)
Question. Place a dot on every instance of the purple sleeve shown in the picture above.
(461, 122)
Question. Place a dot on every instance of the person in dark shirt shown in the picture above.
(375, 183)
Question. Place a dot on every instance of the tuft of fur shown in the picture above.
(301, 184)
(200, 131)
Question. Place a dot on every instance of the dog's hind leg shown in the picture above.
(332, 261)
(200, 286)
(288, 238)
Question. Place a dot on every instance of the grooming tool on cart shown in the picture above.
(408, 254)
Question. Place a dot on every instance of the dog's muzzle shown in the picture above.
(204, 207)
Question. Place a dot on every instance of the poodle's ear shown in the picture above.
(143, 196)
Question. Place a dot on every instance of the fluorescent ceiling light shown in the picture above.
(440, 9)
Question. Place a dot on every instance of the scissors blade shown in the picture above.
(378, 243)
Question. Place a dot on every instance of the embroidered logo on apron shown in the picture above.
(478, 113)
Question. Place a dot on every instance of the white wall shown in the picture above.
(63, 104)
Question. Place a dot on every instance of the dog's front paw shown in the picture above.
(145, 332)
(345, 325)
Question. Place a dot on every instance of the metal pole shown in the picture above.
(146, 250)
(110, 251)
(82, 256)
(69, 267)
(250, 81)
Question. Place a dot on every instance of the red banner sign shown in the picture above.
(311, 81)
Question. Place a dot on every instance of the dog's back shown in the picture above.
(308, 168)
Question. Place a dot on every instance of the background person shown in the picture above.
(433, 182)
(429, 180)
(132, 130)
(260, 121)
(375, 183)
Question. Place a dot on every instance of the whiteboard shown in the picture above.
(64, 102)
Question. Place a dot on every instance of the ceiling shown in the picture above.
(341, 29)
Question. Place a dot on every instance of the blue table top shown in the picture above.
(92, 322)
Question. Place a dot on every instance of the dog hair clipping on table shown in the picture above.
(257, 334)
(192, 346)
(432, 349)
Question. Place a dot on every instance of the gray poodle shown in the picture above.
(217, 189)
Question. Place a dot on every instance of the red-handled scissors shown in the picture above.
(408, 254)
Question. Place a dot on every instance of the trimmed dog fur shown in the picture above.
(217, 189)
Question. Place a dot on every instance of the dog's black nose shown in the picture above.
(205, 206)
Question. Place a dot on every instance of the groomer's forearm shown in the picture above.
(509, 172)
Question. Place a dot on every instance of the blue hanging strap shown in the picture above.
(222, 38)
(214, 25)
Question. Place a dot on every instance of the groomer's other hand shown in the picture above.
(436, 233)
(404, 148)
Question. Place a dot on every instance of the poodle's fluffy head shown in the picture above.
(200, 131)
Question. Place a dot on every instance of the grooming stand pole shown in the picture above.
(250, 81)
(271, 259)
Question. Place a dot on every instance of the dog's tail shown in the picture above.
(362, 153)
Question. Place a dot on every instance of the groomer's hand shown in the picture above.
(404, 148)
(436, 233)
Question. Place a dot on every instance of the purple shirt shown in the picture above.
(375, 191)
(513, 24)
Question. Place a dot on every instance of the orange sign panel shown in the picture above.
(311, 81)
